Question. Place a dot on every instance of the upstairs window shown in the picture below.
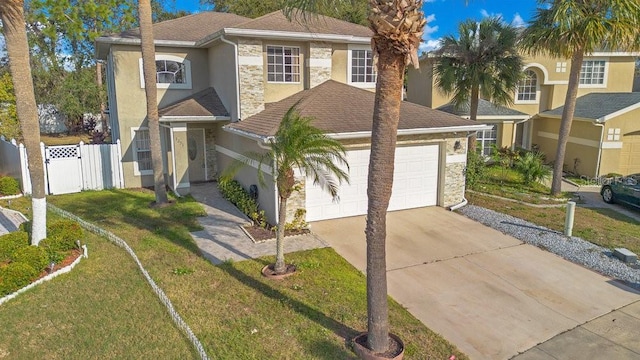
(528, 87)
(283, 64)
(362, 70)
(172, 72)
(142, 151)
(593, 72)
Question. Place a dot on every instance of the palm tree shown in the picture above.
(571, 29)
(298, 145)
(150, 89)
(15, 33)
(397, 27)
(482, 62)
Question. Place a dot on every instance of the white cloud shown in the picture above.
(428, 42)
(428, 45)
(518, 21)
(485, 14)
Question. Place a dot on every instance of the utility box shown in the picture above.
(625, 255)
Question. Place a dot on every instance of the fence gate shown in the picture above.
(64, 169)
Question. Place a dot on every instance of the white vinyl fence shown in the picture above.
(68, 168)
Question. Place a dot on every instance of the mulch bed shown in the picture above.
(261, 234)
(73, 255)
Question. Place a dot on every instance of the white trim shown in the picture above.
(134, 152)
(362, 85)
(284, 73)
(291, 35)
(253, 163)
(613, 53)
(250, 60)
(575, 140)
(455, 159)
(183, 185)
(194, 118)
(134, 41)
(321, 63)
(537, 91)
(619, 112)
(173, 159)
(546, 75)
(187, 69)
(404, 132)
(487, 118)
(612, 144)
(605, 76)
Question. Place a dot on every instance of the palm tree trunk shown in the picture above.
(149, 69)
(12, 14)
(473, 113)
(381, 164)
(280, 266)
(567, 119)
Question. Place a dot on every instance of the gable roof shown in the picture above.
(486, 109)
(600, 106)
(339, 108)
(189, 28)
(318, 24)
(205, 103)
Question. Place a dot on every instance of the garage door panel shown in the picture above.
(415, 184)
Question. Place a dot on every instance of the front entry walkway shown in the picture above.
(488, 293)
(222, 238)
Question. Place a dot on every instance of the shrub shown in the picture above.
(11, 242)
(298, 222)
(9, 186)
(476, 168)
(532, 168)
(238, 196)
(63, 235)
(34, 256)
(15, 276)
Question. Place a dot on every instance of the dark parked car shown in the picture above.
(624, 190)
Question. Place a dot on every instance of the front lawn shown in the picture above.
(509, 183)
(603, 227)
(232, 309)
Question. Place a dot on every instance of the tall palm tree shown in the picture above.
(15, 33)
(151, 91)
(298, 145)
(482, 62)
(571, 29)
(397, 27)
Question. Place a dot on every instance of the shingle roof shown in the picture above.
(319, 24)
(341, 108)
(203, 103)
(191, 27)
(485, 108)
(598, 105)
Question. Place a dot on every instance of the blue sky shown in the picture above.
(443, 16)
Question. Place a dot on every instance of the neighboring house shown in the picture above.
(224, 84)
(542, 89)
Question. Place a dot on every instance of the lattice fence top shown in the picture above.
(63, 152)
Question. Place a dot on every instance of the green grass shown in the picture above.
(232, 308)
(508, 183)
(603, 227)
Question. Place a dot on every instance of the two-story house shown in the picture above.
(605, 134)
(224, 84)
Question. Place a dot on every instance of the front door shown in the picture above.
(196, 153)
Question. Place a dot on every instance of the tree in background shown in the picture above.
(354, 11)
(12, 15)
(397, 27)
(482, 62)
(9, 125)
(570, 29)
(151, 91)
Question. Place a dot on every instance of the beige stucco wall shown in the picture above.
(222, 70)
(131, 100)
(339, 59)
(420, 84)
(616, 160)
(278, 91)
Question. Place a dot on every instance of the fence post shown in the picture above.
(24, 169)
(119, 164)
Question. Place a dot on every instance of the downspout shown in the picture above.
(464, 199)
(599, 147)
(235, 51)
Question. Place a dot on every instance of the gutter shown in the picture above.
(235, 52)
(601, 125)
(401, 132)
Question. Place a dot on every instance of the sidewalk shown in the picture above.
(222, 238)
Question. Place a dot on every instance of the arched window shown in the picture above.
(172, 72)
(528, 87)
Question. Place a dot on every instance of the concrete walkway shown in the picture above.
(488, 293)
(222, 237)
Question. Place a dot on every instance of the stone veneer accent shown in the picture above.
(251, 77)
(319, 63)
(210, 149)
(297, 200)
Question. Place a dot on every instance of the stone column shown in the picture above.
(251, 74)
(319, 63)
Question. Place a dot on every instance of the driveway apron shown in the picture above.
(488, 293)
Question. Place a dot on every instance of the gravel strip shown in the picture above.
(573, 248)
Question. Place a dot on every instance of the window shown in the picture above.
(362, 70)
(283, 64)
(142, 151)
(528, 87)
(485, 140)
(172, 72)
(592, 72)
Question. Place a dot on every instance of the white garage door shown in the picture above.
(415, 184)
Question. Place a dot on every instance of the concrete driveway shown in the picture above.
(590, 197)
(488, 293)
